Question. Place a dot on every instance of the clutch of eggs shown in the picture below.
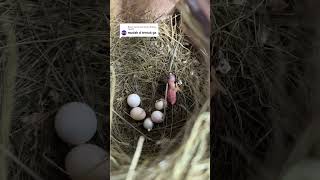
(75, 123)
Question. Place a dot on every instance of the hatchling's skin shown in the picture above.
(172, 89)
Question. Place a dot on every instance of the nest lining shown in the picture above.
(141, 65)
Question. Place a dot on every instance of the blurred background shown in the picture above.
(266, 60)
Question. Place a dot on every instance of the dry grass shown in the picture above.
(266, 99)
(62, 56)
(142, 65)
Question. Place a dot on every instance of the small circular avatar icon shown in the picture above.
(123, 32)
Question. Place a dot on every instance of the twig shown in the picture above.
(53, 163)
(112, 93)
(135, 159)
(8, 95)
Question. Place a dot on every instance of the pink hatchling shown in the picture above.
(172, 89)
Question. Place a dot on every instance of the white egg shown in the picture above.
(75, 123)
(148, 124)
(137, 113)
(87, 162)
(157, 117)
(160, 104)
(133, 100)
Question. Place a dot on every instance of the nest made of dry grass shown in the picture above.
(141, 65)
(264, 102)
(60, 57)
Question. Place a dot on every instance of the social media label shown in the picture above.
(139, 30)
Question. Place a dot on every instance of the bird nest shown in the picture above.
(141, 66)
(49, 58)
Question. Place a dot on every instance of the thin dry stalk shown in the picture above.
(135, 159)
(7, 101)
